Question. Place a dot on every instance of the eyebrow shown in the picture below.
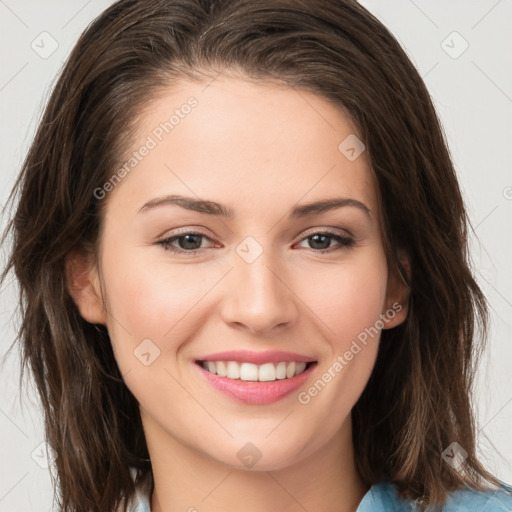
(214, 208)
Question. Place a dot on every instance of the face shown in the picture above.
(250, 318)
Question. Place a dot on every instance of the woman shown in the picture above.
(241, 248)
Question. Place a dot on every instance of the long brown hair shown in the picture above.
(418, 399)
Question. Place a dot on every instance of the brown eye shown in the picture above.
(321, 241)
(186, 242)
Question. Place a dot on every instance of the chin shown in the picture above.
(262, 454)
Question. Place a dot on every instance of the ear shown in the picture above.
(397, 294)
(83, 286)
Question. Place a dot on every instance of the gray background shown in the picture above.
(472, 90)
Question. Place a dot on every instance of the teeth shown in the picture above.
(267, 372)
(252, 372)
(248, 371)
(233, 370)
(299, 368)
(222, 371)
(281, 371)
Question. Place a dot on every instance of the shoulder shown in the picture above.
(383, 497)
(484, 501)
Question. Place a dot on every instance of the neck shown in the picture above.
(186, 480)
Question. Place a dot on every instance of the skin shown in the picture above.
(261, 150)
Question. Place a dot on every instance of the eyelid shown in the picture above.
(326, 229)
(345, 240)
(189, 230)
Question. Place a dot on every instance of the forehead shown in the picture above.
(245, 145)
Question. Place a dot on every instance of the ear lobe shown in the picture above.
(397, 293)
(83, 286)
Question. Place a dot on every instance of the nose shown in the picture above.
(258, 296)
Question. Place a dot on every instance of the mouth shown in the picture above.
(258, 381)
(250, 372)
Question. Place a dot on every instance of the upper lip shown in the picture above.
(247, 356)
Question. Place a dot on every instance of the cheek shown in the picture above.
(155, 302)
(159, 301)
(168, 303)
(346, 298)
(348, 304)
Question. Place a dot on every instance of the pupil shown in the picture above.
(186, 244)
(315, 239)
(318, 242)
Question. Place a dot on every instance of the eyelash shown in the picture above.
(344, 241)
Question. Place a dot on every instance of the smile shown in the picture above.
(256, 378)
(252, 372)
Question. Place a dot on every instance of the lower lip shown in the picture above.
(255, 392)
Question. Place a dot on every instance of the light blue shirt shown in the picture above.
(383, 497)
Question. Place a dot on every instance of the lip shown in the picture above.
(248, 356)
(255, 392)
